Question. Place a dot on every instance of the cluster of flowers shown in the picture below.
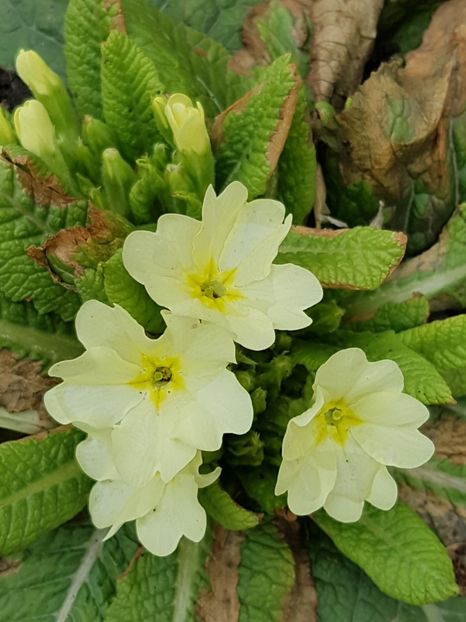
(150, 407)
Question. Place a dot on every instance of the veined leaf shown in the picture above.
(443, 343)
(27, 333)
(67, 575)
(162, 588)
(32, 207)
(395, 316)
(225, 511)
(359, 258)
(86, 27)
(398, 552)
(186, 61)
(128, 110)
(42, 486)
(346, 594)
(251, 133)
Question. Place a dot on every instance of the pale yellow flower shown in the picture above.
(220, 270)
(162, 399)
(35, 72)
(336, 453)
(35, 129)
(186, 121)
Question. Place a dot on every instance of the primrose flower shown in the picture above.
(220, 270)
(164, 512)
(162, 399)
(187, 122)
(335, 454)
(35, 129)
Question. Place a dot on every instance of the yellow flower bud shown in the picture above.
(34, 128)
(187, 123)
(34, 72)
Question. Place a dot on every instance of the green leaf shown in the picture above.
(359, 258)
(86, 28)
(224, 510)
(186, 61)
(162, 588)
(222, 21)
(33, 207)
(443, 343)
(346, 594)
(43, 337)
(68, 574)
(422, 380)
(251, 134)
(297, 166)
(128, 110)
(259, 485)
(397, 551)
(395, 316)
(439, 274)
(42, 486)
(459, 142)
(266, 575)
(35, 24)
(91, 285)
(121, 289)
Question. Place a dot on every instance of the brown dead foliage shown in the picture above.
(221, 603)
(45, 191)
(114, 8)
(343, 35)
(9, 566)
(449, 437)
(22, 386)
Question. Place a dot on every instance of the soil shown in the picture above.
(12, 90)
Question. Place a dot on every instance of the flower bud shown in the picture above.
(117, 180)
(7, 134)
(187, 124)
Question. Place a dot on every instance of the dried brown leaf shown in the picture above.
(22, 386)
(114, 8)
(9, 566)
(221, 603)
(449, 437)
(343, 35)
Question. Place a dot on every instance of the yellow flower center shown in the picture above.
(334, 421)
(159, 377)
(213, 288)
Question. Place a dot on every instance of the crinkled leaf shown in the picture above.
(266, 575)
(91, 285)
(251, 133)
(128, 110)
(33, 206)
(297, 166)
(86, 28)
(439, 274)
(162, 588)
(186, 61)
(44, 337)
(121, 289)
(68, 574)
(346, 594)
(359, 258)
(42, 486)
(397, 551)
(224, 510)
(443, 343)
(36, 25)
(395, 316)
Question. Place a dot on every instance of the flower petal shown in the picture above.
(343, 508)
(97, 406)
(402, 447)
(97, 324)
(384, 490)
(178, 514)
(252, 329)
(115, 502)
(97, 366)
(94, 456)
(391, 409)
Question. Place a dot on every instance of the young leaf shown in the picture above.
(86, 28)
(186, 61)
(225, 511)
(121, 289)
(128, 110)
(297, 166)
(32, 207)
(443, 343)
(42, 486)
(359, 258)
(398, 551)
(43, 337)
(161, 588)
(346, 594)
(251, 133)
(68, 574)
(266, 575)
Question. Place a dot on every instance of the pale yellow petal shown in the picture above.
(94, 456)
(343, 508)
(384, 490)
(391, 409)
(252, 329)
